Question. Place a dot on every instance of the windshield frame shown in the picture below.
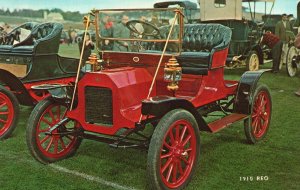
(179, 10)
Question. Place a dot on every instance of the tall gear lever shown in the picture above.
(178, 13)
(86, 21)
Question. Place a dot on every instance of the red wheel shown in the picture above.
(9, 112)
(173, 151)
(257, 125)
(48, 148)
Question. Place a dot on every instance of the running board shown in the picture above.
(219, 124)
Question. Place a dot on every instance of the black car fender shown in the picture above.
(245, 91)
(160, 105)
(16, 85)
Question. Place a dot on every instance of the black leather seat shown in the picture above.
(45, 40)
(200, 41)
(196, 63)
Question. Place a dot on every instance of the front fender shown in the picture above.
(57, 91)
(245, 91)
(17, 87)
(160, 105)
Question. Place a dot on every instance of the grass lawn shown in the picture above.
(226, 160)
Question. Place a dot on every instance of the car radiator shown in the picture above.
(98, 106)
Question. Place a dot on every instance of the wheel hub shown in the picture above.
(178, 151)
(294, 62)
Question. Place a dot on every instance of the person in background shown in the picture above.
(297, 45)
(282, 27)
(275, 44)
(121, 31)
(69, 35)
(281, 30)
(155, 22)
(6, 28)
(139, 26)
(73, 36)
(107, 31)
(89, 46)
(2, 33)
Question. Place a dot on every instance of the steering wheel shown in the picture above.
(132, 26)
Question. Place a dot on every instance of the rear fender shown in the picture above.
(245, 91)
(17, 87)
(160, 105)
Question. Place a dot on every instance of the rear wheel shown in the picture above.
(60, 144)
(257, 126)
(252, 61)
(291, 61)
(9, 112)
(174, 151)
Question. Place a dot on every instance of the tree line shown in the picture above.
(68, 15)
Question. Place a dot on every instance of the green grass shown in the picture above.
(225, 156)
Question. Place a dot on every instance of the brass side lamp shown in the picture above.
(172, 74)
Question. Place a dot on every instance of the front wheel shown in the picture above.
(291, 61)
(173, 151)
(257, 125)
(9, 112)
(61, 144)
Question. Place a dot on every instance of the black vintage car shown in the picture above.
(29, 56)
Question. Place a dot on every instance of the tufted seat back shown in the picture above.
(205, 37)
(44, 30)
(200, 42)
(45, 39)
(200, 37)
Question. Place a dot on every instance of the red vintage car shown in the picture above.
(161, 74)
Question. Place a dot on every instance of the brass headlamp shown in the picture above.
(94, 62)
(172, 74)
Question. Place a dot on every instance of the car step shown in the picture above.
(219, 124)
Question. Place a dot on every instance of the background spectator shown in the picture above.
(121, 31)
(89, 46)
(281, 29)
(107, 31)
(275, 44)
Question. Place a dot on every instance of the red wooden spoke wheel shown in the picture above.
(177, 154)
(9, 111)
(257, 126)
(58, 145)
(173, 151)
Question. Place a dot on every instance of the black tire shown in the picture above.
(34, 144)
(156, 148)
(11, 107)
(252, 61)
(261, 114)
(291, 65)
